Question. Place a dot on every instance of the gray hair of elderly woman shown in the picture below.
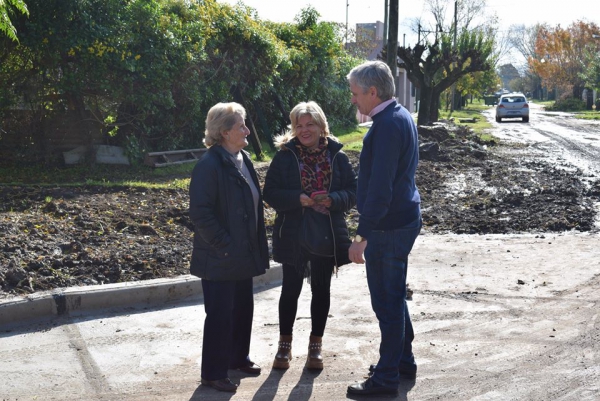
(374, 73)
(220, 118)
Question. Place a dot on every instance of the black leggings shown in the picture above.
(288, 302)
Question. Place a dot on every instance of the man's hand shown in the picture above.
(356, 252)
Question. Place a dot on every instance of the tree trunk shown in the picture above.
(428, 106)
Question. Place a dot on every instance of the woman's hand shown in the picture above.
(306, 201)
(325, 202)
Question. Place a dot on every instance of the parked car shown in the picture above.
(512, 105)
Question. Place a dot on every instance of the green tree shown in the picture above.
(479, 84)
(8, 7)
(147, 71)
(314, 66)
(461, 47)
(591, 74)
(436, 67)
(508, 73)
(126, 65)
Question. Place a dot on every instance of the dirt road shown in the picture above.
(557, 137)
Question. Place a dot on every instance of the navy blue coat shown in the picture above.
(229, 244)
(387, 196)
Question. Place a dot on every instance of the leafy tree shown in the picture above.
(120, 61)
(8, 7)
(560, 52)
(147, 71)
(315, 66)
(507, 73)
(591, 74)
(459, 48)
(436, 67)
(479, 84)
(523, 39)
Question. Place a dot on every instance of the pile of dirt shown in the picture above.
(53, 237)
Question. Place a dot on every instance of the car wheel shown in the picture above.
(498, 119)
(525, 119)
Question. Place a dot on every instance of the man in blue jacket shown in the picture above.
(390, 220)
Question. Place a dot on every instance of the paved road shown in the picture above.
(496, 318)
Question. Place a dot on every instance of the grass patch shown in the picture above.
(471, 111)
(351, 137)
(176, 176)
(588, 115)
(544, 103)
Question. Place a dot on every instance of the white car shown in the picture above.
(512, 105)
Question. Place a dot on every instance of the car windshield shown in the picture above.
(513, 99)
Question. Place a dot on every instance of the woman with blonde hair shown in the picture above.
(308, 171)
(230, 244)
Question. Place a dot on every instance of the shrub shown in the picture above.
(568, 104)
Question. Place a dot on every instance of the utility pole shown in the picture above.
(347, 5)
(392, 44)
(385, 22)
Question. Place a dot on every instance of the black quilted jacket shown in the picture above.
(228, 242)
(282, 192)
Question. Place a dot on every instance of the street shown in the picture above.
(557, 136)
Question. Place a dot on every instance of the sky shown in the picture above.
(526, 12)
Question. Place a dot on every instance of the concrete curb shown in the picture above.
(80, 299)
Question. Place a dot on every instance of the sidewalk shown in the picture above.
(496, 318)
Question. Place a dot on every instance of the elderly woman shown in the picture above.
(309, 171)
(230, 244)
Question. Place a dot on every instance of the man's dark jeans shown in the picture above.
(386, 258)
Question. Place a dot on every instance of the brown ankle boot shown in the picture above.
(284, 353)
(314, 359)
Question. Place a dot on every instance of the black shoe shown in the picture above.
(221, 385)
(250, 367)
(369, 388)
(405, 374)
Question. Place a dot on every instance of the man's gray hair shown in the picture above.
(374, 73)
